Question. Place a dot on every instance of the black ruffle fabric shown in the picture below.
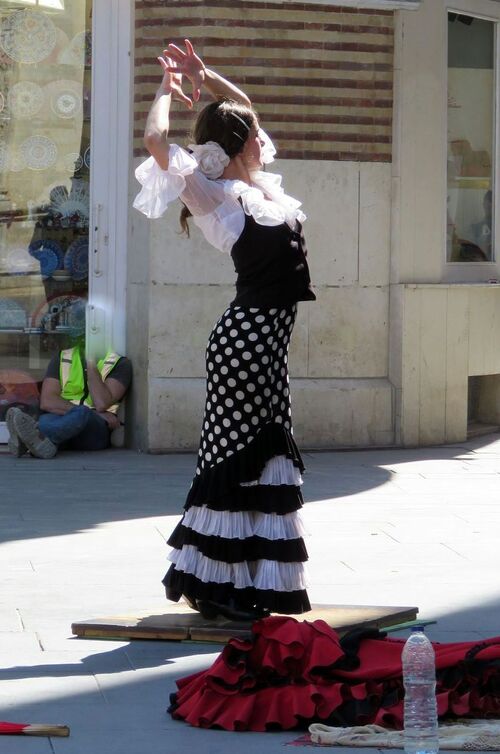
(291, 674)
(217, 483)
(178, 583)
(281, 499)
(238, 550)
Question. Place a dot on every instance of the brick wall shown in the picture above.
(320, 78)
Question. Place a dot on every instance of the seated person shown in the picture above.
(79, 403)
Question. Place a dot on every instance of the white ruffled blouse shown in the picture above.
(218, 205)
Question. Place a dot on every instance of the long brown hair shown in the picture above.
(221, 122)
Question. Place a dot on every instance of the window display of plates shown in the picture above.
(12, 315)
(40, 152)
(36, 247)
(25, 99)
(79, 50)
(27, 36)
(72, 162)
(76, 260)
(47, 258)
(66, 99)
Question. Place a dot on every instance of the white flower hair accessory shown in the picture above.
(211, 158)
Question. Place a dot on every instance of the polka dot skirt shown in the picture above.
(232, 539)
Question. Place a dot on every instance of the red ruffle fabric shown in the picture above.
(291, 674)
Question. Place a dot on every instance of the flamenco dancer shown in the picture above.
(238, 551)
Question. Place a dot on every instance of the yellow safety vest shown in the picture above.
(72, 377)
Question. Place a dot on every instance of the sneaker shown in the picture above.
(16, 445)
(27, 431)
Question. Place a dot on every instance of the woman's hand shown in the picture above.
(172, 80)
(187, 64)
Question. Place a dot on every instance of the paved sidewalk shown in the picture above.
(83, 536)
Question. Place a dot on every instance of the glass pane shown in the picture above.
(45, 67)
(471, 97)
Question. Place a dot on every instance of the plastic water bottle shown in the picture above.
(420, 709)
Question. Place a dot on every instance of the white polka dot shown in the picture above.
(260, 318)
(240, 315)
(249, 438)
(280, 353)
(212, 418)
(229, 402)
(220, 410)
(223, 340)
(218, 358)
(215, 378)
(279, 385)
(244, 427)
(208, 457)
(276, 365)
(246, 325)
(263, 411)
(267, 392)
(286, 391)
(223, 442)
(254, 367)
(251, 387)
(243, 375)
(265, 360)
(228, 351)
(206, 425)
(217, 430)
(265, 329)
(231, 382)
(224, 370)
(233, 333)
(282, 405)
(226, 422)
(228, 322)
(261, 379)
(208, 406)
(246, 355)
(274, 346)
(233, 435)
(239, 395)
(275, 399)
(239, 343)
(213, 347)
(269, 341)
(259, 348)
(278, 419)
(210, 437)
(258, 400)
(240, 446)
(235, 363)
(237, 416)
(252, 336)
(219, 330)
(222, 390)
(288, 320)
(255, 420)
(280, 333)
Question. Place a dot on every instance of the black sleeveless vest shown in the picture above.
(271, 266)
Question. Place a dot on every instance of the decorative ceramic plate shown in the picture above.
(86, 157)
(79, 50)
(66, 98)
(18, 261)
(73, 206)
(37, 247)
(76, 260)
(12, 315)
(72, 162)
(40, 152)
(27, 36)
(47, 258)
(25, 99)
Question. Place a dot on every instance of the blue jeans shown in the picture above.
(80, 429)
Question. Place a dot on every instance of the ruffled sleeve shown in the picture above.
(160, 187)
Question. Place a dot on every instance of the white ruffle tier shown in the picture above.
(244, 524)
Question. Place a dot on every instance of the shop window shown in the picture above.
(45, 78)
(471, 139)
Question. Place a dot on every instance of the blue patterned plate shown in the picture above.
(47, 258)
(76, 260)
(39, 246)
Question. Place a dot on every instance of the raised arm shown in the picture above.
(158, 120)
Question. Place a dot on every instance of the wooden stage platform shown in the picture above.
(179, 623)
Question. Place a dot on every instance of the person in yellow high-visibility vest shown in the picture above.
(79, 403)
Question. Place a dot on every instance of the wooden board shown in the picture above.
(179, 622)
